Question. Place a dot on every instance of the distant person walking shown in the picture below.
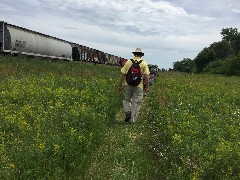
(152, 75)
(134, 84)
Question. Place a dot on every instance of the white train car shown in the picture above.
(18, 40)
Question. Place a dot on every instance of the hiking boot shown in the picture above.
(128, 116)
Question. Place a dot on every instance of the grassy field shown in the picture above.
(53, 116)
(64, 120)
(195, 125)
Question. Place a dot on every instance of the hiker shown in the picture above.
(152, 75)
(134, 93)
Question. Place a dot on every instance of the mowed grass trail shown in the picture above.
(125, 152)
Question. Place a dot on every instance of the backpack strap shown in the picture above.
(137, 62)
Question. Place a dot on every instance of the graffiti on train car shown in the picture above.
(20, 44)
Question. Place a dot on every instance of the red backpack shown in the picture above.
(134, 74)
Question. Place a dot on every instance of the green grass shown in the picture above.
(195, 126)
(53, 116)
(125, 153)
(64, 120)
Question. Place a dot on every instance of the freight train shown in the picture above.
(18, 40)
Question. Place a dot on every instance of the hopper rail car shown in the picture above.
(19, 40)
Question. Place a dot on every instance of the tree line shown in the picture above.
(221, 57)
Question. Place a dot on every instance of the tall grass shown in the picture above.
(57, 122)
(53, 115)
(195, 122)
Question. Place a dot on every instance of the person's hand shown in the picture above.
(145, 90)
(119, 89)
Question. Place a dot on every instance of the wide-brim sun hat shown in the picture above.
(138, 51)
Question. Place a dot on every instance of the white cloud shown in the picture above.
(142, 17)
(31, 2)
(171, 30)
(237, 11)
(230, 5)
(7, 8)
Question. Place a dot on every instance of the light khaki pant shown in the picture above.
(132, 101)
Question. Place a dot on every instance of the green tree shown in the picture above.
(203, 58)
(236, 44)
(215, 67)
(186, 65)
(231, 66)
(233, 36)
(212, 59)
(229, 34)
(216, 51)
(222, 49)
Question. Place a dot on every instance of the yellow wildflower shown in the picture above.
(41, 146)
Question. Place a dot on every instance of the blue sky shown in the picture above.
(167, 31)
